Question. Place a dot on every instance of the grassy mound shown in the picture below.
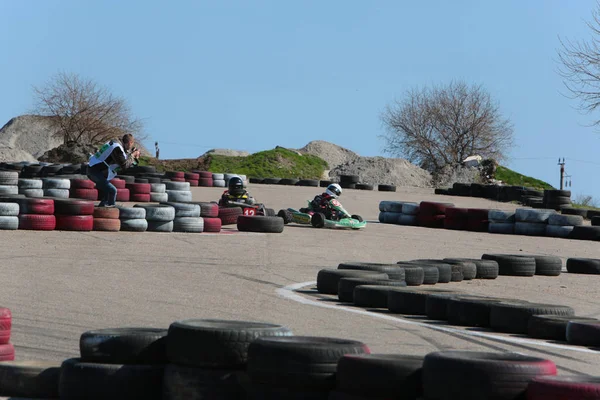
(510, 177)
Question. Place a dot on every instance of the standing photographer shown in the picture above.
(105, 164)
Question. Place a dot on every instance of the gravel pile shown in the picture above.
(381, 170)
(333, 154)
(27, 137)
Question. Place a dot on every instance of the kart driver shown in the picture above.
(323, 202)
(236, 194)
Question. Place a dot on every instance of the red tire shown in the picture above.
(480, 214)
(455, 224)
(205, 175)
(192, 182)
(140, 197)
(118, 183)
(138, 188)
(191, 176)
(433, 208)
(210, 210)
(36, 206)
(106, 213)
(474, 225)
(37, 222)
(431, 221)
(74, 222)
(229, 215)
(177, 179)
(457, 213)
(212, 225)
(73, 207)
(176, 175)
(5, 325)
(7, 352)
(205, 182)
(107, 224)
(564, 387)
(123, 195)
(88, 194)
(82, 184)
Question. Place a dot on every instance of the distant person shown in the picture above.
(103, 166)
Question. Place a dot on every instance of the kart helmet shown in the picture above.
(334, 190)
(236, 186)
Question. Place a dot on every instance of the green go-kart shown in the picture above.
(305, 216)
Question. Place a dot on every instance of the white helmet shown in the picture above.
(334, 190)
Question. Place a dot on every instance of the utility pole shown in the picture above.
(562, 171)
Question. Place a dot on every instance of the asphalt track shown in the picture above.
(60, 284)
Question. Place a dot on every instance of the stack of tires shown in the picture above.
(133, 219)
(229, 215)
(139, 192)
(477, 219)
(218, 180)
(561, 226)
(175, 176)
(160, 217)
(74, 215)
(125, 363)
(187, 217)
(502, 222)
(432, 214)
(122, 191)
(9, 216)
(456, 218)
(207, 359)
(7, 350)
(55, 187)
(83, 189)
(555, 199)
(9, 181)
(349, 181)
(206, 179)
(31, 187)
(178, 192)
(398, 212)
(36, 214)
(210, 214)
(192, 178)
(532, 222)
(158, 192)
(107, 219)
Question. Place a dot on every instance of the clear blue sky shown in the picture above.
(251, 75)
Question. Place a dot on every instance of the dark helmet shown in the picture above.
(236, 186)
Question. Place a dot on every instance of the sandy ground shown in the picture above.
(60, 284)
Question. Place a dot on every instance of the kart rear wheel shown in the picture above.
(358, 217)
(318, 220)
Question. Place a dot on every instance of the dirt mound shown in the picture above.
(227, 152)
(381, 170)
(74, 153)
(27, 137)
(333, 154)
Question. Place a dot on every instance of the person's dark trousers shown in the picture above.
(107, 192)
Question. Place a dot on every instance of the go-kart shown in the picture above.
(305, 216)
(251, 209)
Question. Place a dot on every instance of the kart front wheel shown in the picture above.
(286, 215)
(318, 220)
(358, 217)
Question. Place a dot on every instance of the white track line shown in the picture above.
(288, 292)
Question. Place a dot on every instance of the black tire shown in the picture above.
(553, 193)
(436, 306)
(299, 361)
(318, 220)
(348, 185)
(349, 178)
(183, 383)
(271, 181)
(514, 317)
(269, 212)
(364, 186)
(552, 327)
(32, 379)
(211, 343)
(470, 375)
(444, 270)
(325, 183)
(124, 346)
(287, 181)
(346, 286)
(392, 270)
(413, 275)
(256, 391)
(410, 301)
(573, 211)
(386, 188)
(468, 268)
(392, 376)
(584, 333)
(260, 223)
(373, 296)
(329, 279)
(356, 216)
(457, 275)
(80, 380)
(583, 266)
(595, 221)
(585, 232)
(511, 265)
(546, 265)
(286, 216)
(308, 182)
(470, 310)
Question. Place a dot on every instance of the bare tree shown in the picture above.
(580, 67)
(440, 126)
(86, 113)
